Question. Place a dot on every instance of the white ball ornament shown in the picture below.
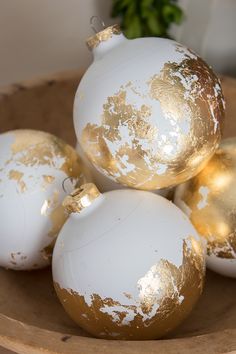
(33, 166)
(121, 269)
(148, 112)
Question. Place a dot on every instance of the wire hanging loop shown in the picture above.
(98, 19)
(63, 183)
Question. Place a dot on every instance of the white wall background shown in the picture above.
(43, 36)
(38, 37)
(210, 29)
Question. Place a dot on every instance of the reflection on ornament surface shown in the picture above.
(33, 165)
(209, 199)
(156, 124)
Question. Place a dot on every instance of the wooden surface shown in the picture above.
(31, 319)
(5, 351)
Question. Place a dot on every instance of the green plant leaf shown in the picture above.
(147, 17)
(134, 29)
(146, 8)
(120, 7)
(146, 4)
(155, 25)
(172, 13)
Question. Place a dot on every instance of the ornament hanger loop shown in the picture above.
(63, 183)
(99, 20)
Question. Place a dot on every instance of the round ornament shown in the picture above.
(148, 112)
(33, 166)
(209, 199)
(115, 273)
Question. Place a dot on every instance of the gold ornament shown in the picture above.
(136, 146)
(209, 199)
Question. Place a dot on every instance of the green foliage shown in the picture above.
(147, 18)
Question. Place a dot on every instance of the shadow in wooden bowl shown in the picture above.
(32, 320)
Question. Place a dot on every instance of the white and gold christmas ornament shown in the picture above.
(209, 199)
(121, 269)
(33, 166)
(148, 112)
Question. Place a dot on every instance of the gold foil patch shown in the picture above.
(166, 295)
(211, 198)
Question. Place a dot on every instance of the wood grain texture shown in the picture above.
(32, 320)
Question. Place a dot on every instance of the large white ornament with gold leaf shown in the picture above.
(121, 269)
(33, 166)
(148, 112)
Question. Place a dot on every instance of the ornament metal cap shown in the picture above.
(103, 36)
(81, 198)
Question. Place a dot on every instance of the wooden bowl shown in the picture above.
(32, 320)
